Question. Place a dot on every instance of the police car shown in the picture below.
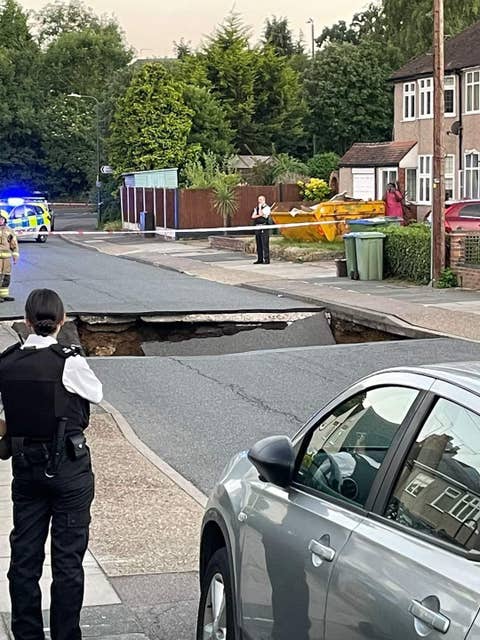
(30, 217)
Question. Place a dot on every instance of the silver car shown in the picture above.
(365, 526)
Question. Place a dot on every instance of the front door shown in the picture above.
(291, 539)
(407, 574)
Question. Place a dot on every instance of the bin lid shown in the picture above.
(368, 235)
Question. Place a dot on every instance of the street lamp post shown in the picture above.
(97, 111)
(312, 22)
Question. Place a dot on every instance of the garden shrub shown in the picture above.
(314, 190)
(407, 253)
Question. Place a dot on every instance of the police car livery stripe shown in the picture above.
(29, 222)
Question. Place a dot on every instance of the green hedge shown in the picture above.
(407, 252)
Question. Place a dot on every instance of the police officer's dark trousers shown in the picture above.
(38, 502)
(262, 239)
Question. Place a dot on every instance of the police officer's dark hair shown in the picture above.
(44, 310)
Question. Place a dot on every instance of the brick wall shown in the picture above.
(468, 274)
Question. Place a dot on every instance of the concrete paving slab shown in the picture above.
(142, 522)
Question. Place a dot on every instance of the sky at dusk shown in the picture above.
(151, 26)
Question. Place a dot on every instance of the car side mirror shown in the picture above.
(274, 459)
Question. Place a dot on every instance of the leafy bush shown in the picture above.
(313, 190)
(407, 253)
(448, 279)
(322, 165)
(200, 173)
(287, 169)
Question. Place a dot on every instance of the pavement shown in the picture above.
(140, 569)
(141, 565)
(447, 312)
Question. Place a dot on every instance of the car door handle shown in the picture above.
(321, 551)
(431, 618)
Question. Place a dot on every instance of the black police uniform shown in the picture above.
(262, 238)
(52, 484)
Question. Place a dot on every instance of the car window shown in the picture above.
(438, 491)
(347, 449)
(25, 210)
(470, 211)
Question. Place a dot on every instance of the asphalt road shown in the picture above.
(91, 282)
(75, 221)
(196, 412)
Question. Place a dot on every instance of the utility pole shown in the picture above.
(438, 214)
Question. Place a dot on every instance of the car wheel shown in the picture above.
(215, 613)
(42, 237)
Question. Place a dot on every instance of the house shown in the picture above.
(366, 168)
(243, 165)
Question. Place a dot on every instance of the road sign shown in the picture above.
(106, 169)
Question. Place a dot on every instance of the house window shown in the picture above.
(424, 179)
(472, 79)
(411, 185)
(426, 97)
(386, 176)
(471, 180)
(409, 101)
(449, 177)
(449, 95)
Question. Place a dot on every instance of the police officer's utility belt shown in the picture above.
(28, 451)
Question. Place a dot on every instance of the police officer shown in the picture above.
(46, 391)
(261, 216)
(8, 252)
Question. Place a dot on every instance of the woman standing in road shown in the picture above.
(46, 391)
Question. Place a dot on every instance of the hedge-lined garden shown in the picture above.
(407, 252)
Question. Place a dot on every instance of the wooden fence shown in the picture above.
(193, 208)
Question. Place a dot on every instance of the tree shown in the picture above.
(279, 107)
(69, 148)
(20, 100)
(210, 130)
(368, 23)
(151, 125)
(359, 106)
(277, 34)
(230, 67)
(60, 17)
(410, 24)
(322, 165)
(84, 61)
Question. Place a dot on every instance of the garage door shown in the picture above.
(364, 184)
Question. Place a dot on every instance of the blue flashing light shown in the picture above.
(15, 202)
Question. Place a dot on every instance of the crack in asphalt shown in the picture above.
(241, 393)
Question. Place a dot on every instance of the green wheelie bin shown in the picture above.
(369, 252)
(351, 255)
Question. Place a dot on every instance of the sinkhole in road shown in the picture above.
(201, 334)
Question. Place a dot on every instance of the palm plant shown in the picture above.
(225, 199)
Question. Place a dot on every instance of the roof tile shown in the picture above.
(376, 154)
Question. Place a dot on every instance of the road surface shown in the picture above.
(196, 413)
(92, 282)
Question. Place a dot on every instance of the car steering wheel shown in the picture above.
(334, 473)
